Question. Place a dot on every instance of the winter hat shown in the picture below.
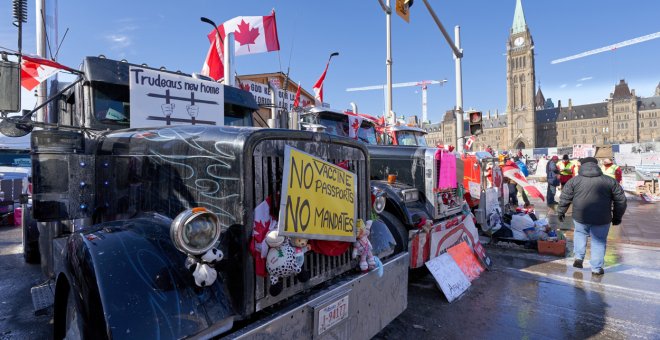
(588, 160)
(565, 157)
(555, 157)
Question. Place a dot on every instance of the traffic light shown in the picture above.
(476, 127)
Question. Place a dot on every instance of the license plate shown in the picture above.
(332, 314)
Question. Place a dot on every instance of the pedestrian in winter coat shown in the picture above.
(553, 179)
(566, 170)
(598, 200)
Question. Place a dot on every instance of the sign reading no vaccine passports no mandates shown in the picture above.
(319, 199)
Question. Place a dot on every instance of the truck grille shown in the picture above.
(268, 165)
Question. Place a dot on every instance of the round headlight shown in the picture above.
(195, 231)
(379, 204)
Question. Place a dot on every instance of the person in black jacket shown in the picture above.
(598, 200)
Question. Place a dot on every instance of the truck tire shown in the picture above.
(31, 241)
(397, 229)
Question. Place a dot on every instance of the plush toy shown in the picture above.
(202, 269)
(301, 246)
(363, 248)
(280, 262)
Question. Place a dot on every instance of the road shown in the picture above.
(532, 296)
(525, 295)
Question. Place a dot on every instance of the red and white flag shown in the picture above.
(354, 122)
(318, 86)
(469, 142)
(513, 173)
(252, 34)
(35, 70)
(263, 223)
(296, 101)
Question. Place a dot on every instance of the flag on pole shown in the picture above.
(252, 34)
(35, 70)
(296, 101)
(469, 142)
(318, 86)
(513, 173)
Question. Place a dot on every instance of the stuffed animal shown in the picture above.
(363, 248)
(280, 261)
(301, 246)
(202, 269)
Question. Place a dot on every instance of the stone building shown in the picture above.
(531, 121)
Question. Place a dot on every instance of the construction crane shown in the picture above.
(424, 84)
(609, 48)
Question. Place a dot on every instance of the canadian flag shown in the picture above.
(513, 173)
(318, 86)
(296, 101)
(354, 122)
(35, 70)
(469, 142)
(263, 223)
(252, 34)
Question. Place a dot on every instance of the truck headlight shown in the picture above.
(377, 200)
(410, 195)
(195, 231)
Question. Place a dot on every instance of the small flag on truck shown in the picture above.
(35, 70)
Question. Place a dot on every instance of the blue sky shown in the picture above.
(169, 33)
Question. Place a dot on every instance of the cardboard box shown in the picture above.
(556, 248)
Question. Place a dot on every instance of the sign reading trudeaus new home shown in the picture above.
(162, 98)
(319, 199)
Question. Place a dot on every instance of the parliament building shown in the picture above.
(531, 121)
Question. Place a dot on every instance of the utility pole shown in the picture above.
(388, 62)
(42, 115)
(458, 55)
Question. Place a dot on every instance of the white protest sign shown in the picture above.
(475, 189)
(449, 276)
(161, 98)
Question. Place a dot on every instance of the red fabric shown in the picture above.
(329, 248)
(514, 174)
(35, 70)
(468, 143)
(270, 31)
(318, 86)
(213, 65)
(296, 102)
(618, 175)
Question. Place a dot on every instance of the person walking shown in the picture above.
(598, 200)
(523, 169)
(566, 170)
(612, 170)
(552, 173)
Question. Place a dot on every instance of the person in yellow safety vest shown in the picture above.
(612, 170)
(566, 170)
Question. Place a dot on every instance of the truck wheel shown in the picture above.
(397, 229)
(73, 322)
(31, 242)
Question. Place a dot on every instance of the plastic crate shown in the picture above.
(556, 248)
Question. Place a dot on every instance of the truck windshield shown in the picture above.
(335, 124)
(406, 138)
(421, 139)
(237, 116)
(367, 133)
(111, 104)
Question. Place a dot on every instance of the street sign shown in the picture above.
(403, 9)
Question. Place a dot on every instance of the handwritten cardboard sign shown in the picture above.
(319, 199)
(465, 259)
(161, 98)
(449, 276)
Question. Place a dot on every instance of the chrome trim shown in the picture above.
(177, 226)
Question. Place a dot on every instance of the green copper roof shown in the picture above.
(519, 24)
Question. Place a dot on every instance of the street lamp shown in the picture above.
(210, 22)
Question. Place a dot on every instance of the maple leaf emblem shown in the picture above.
(246, 35)
(355, 126)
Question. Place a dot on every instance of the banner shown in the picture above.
(319, 199)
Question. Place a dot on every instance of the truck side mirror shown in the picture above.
(10, 86)
(16, 126)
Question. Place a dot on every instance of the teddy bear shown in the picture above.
(363, 248)
(281, 262)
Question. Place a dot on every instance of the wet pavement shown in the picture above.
(532, 296)
(17, 320)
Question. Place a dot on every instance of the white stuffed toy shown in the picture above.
(202, 271)
(363, 248)
(280, 261)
